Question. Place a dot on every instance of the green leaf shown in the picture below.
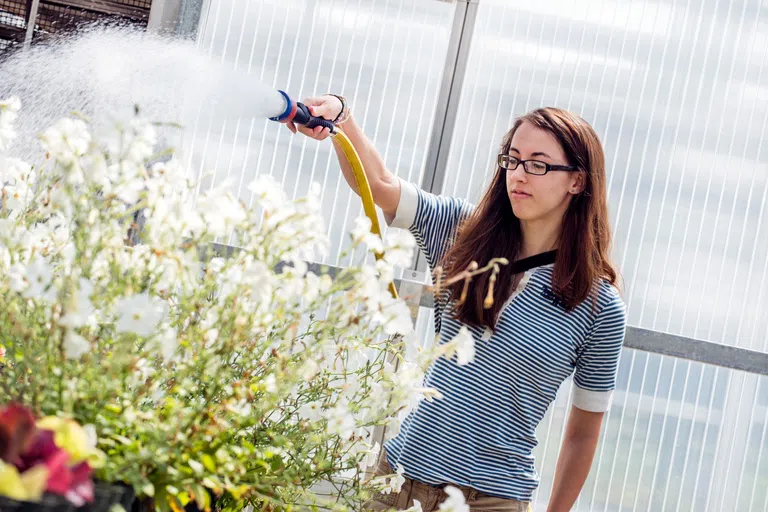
(196, 466)
(208, 462)
(148, 489)
(202, 498)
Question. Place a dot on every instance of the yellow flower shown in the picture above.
(74, 439)
(26, 487)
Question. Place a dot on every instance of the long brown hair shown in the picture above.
(494, 231)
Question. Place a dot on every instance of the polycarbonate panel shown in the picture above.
(385, 57)
(678, 92)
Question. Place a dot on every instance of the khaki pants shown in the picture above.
(431, 496)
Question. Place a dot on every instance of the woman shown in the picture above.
(555, 311)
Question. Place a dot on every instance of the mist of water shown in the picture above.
(106, 72)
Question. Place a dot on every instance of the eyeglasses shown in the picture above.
(536, 167)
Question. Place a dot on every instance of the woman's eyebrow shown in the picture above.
(537, 153)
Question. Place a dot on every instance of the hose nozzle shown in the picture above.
(299, 114)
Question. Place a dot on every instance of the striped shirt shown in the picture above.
(482, 432)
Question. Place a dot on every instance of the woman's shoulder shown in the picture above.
(607, 296)
(609, 299)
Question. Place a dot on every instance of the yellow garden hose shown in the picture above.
(364, 188)
(287, 110)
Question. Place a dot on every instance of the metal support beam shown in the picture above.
(701, 351)
(447, 107)
(176, 17)
(34, 5)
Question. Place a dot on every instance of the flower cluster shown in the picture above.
(55, 455)
(204, 370)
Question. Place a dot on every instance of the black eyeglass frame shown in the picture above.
(547, 167)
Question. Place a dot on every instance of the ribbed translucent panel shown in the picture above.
(678, 92)
(385, 57)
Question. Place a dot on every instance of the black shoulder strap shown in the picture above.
(537, 260)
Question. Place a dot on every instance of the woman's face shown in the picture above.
(540, 197)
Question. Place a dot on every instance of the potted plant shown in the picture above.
(241, 377)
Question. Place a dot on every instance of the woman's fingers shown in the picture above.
(309, 132)
(313, 102)
(291, 126)
(324, 134)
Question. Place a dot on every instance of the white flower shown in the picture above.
(416, 507)
(75, 345)
(132, 141)
(9, 112)
(220, 211)
(16, 180)
(211, 336)
(91, 435)
(371, 457)
(270, 383)
(17, 277)
(141, 145)
(455, 501)
(393, 426)
(80, 309)
(312, 411)
(139, 314)
(361, 234)
(398, 318)
(66, 141)
(465, 346)
(309, 370)
(396, 482)
(39, 277)
(315, 285)
(399, 247)
(169, 342)
(385, 271)
(340, 421)
(268, 192)
(129, 190)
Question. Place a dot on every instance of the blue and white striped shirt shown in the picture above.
(482, 432)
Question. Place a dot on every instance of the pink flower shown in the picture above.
(26, 447)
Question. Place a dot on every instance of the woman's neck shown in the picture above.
(538, 236)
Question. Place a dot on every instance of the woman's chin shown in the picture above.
(521, 212)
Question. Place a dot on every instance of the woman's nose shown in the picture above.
(517, 174)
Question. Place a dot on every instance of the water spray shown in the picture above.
(285, 110)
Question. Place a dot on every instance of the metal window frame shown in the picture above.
(447, 106)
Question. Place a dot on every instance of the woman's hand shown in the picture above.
(328, 107)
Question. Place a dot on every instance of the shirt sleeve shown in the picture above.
(596, 366)
(431, 219)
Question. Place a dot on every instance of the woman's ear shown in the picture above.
(578, 183)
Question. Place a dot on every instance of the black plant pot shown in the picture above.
(106, 495)
(49, 503)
